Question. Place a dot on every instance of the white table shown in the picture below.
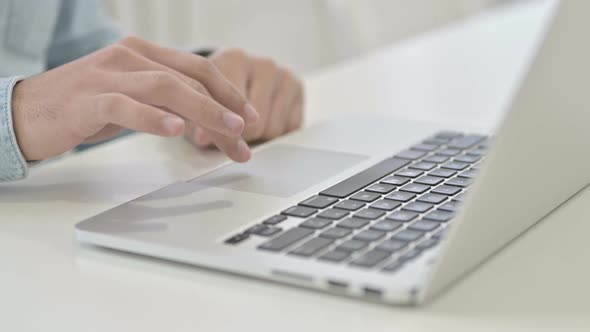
(463, 73)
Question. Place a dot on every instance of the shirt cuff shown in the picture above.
(12, 163)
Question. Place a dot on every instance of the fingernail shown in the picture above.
(243, 150)
(250, 113)
(233, 122)
(172, 124)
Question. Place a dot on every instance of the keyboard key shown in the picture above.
(459, 198)
(449, 206)
(311, 247)
(299, 211)
(425, 147)
(432, 198)
(439, 216)
(407, 235)
(467, 158)
(424, 225)
(371, 258)
(455, 165)
(447, 134)
(425, 244)
(353, 223)
(369, 235)
(349, 205)
(319, 202)
(369, 213)
(381, 188)
(428, 180)
(386, 204)
(392, 267)
(446, 190)
(395, 180)
(333, 214)
(437, 141)
(403, 216)
(286, 239)
(401, 196)
(352, 245)
(477, 152)
(315, 223)
(410, 154)
(415, 188)
(417, 207)
(391, 245)
(275, 219)
(386, 225)
(335, 233)
(466, 142)
(365, 196)
(459, 182)
(263, 230)
(441, 233)
(470, 174)
(335, 256)
(237, 238)
(443, 173)
(424, 166)
(448, 152)
(436, 158)
(409, 255)
(365, 178)
(410, 173)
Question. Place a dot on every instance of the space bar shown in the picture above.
(364, 178)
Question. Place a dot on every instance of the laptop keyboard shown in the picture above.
(385, 215)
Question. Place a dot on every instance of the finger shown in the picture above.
(234, 66)
(202, 70)
(296, 117)
(281, 106)
(236, 149)
(197, 135)
(263, 83)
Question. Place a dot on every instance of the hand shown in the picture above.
(275, 92)
(132, 84)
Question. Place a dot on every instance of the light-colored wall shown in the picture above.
(304, 34)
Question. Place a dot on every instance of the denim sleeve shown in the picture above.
(12, 163)
(82, 27)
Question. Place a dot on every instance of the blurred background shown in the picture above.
(302, 34)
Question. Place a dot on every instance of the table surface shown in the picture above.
(464, 73)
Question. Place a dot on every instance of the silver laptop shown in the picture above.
(378, 208)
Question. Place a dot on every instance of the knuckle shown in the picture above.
(130, 41)
(114, 53)
(206, 67)
(235, 53)
(108, 103)
(268, 63)
(161, 80)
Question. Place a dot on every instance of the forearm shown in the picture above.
(13, 165)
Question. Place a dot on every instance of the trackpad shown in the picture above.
(281, 170)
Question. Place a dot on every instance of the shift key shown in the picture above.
(286, 239)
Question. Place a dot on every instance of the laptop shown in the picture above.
(378, 208)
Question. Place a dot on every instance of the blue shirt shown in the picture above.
(36, 36)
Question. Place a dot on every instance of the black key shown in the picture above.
(364, 178)
(311, 247)
(466, 142)
(393, 266)
(439, 216)
(410, 173)
(410, 154)
(401, 196)
(403, 216)
(418, 207)
(449, 206)
(286, 239)
(467, 158)
(425, 244)
(315, 223)
(381, 188)
(275, 219)
(415, 188)
(424, 225)
(432, 198)
(424, 166)
(459, 182)
(263, 230)
(335, 256)
(477, 152)
(386, 204)
(237, 238)
(455, 165)
(407, 235)
(371, 258)
(386, 225)
(425, 147)
(352, 245)
(409, 255)
(470, 174)
(369, 235)
(448, 152)
(333, 214)
(437, 141)
(436, 158)
(391, 245)
(349, 205)
(299, 211)
(335, 233)
(448, 134)
(443, 173)
(353, 223)
(428, 180)
(365, 196)
(369, 214)
(446, 190)
(395, 180)
(319, 202)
